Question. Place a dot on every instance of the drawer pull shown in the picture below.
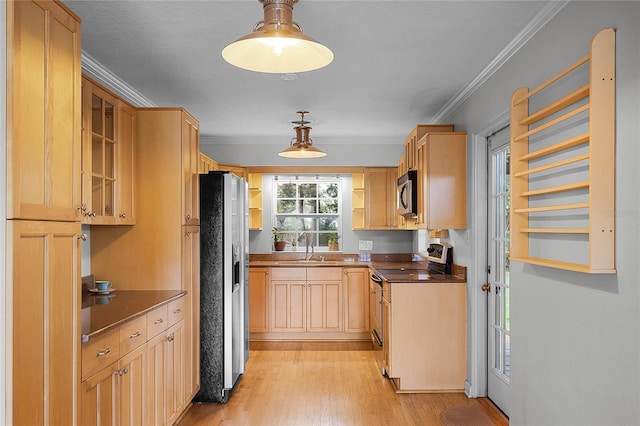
(103, 352)
(134, 335)
(177, 311)
(158, 321)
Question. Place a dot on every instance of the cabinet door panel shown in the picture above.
(356, 313)
(324, 308)
(258, 300)
(380, 196)
(133, 387)
(175, 379)
(289, 306)
(45, 280)
(190, 178)
(43, 92)
(126, 138)
(190, 310)
(99, 398)
(155, 379)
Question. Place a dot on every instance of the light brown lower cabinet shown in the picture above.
(356, 299)
(99, 397)
(425, 336)
(43, 299)
(175, 372)
(145, 386)
(306, 299)
(301, 302)
(259, 300)
(155, 368)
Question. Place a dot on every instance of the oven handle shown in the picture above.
(378, 339)
(376, 279)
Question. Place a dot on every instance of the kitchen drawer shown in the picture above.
(157, 321)
(133, 334)
(289, 274)
(100, 351)
(176, 311)
(324, 274)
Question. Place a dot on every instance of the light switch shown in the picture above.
(365, 245)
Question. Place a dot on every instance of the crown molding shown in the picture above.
(102, 75)
(550, 10)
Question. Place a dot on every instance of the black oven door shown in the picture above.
(375, 305)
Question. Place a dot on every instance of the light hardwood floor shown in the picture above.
(321, 383)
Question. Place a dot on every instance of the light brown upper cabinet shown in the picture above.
(108, 129)
(380, 185)
(206, 164)
(125, 195)
(411, 143)
(190, 179)
(43, 111)
(442, 181)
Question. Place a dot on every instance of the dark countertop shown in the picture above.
(393, 268)
(100, 313)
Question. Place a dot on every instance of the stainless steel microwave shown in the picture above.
(408, 194)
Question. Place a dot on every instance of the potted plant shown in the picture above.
(278, 242)
(333, 243)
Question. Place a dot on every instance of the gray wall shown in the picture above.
(376, 154)
(575, 337)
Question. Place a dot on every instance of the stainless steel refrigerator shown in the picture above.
(224, 284)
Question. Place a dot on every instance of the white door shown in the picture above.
(498, 321)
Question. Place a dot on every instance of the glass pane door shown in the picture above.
(499, 333)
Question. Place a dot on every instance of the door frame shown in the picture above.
(4, 417)
(476, 384)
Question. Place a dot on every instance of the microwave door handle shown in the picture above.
(402, 196)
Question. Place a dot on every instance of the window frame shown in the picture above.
(296, 237)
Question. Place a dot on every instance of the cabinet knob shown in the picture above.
(170, 338)
(188, 217)
(123, 215)
(187, 234)
(82, 237)
(83, 207)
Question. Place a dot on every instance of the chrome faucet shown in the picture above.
(307, 243)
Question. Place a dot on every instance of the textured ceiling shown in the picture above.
(397, 63)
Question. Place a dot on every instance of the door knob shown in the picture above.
(486, 287)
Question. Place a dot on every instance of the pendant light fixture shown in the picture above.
(302, 146)
(277, 44)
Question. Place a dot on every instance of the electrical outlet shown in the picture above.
(365, 245)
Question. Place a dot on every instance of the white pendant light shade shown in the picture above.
(302, 152)
(277, 44)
